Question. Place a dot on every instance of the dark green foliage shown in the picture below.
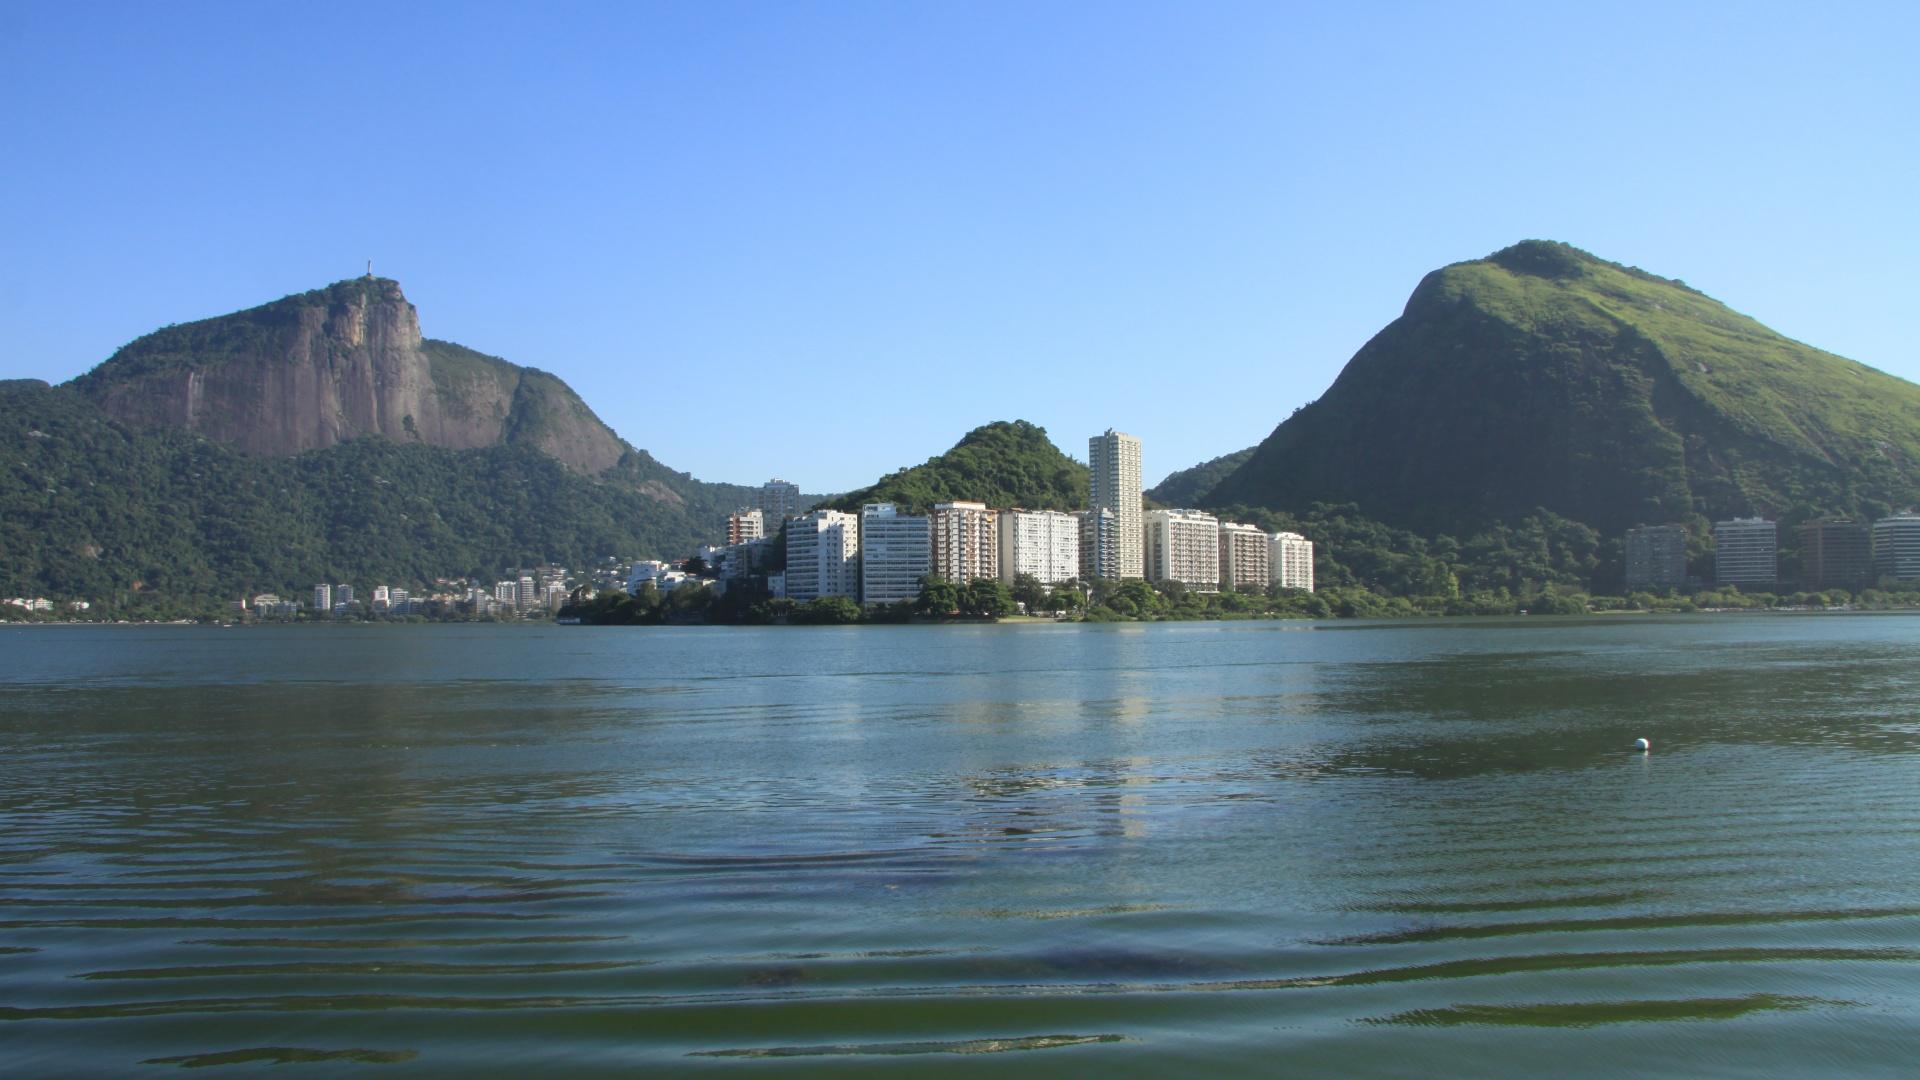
(1189, 487)
(1001, 464)
(90, 509)
(986, 598)
(1543, 377)
(938, 598)
(826, 611)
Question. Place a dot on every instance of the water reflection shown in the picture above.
(1147, 848)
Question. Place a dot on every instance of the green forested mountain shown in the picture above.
(1542, 377)
(1188, 487)
(319, 438)
(1001, 464)
(99, 510)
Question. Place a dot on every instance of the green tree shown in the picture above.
(827, 611)
(986, 597)
(1028, 590)
(937, 597)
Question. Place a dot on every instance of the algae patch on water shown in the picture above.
(285, 1055)
(964, 1046)
(1580, 1014)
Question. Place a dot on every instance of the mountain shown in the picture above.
(1188, 487)
(319, 438)
(1002, 464)
(317, 369)
(1542, 377)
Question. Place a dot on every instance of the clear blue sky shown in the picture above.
(824, 240)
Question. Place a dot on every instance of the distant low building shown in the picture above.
(1746, 553)
(1656, 557)
(1292, 566)
(643, 573)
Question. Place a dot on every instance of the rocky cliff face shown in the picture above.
(317, 369)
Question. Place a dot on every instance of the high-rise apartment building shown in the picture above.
(382, 597)
(746, 526)
(1183, 546)
(1292, 561)
(1042, 543)
(823, 556)
(343, 594)
(526, 594)
(1246, 556)
(966, 541)
(323, 599)
(896, 551)
(1835, 554)
(1099, 544)
(1113, 483)
(779, 500)
(1656, 557)
(1746, 553)
(1896, 547)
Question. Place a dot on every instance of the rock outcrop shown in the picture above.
(339, 363)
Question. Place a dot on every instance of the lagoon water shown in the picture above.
(1352, 849)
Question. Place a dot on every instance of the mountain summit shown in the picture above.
(319, 368)
(1542, 376)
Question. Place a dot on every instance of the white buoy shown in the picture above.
(1642, 745)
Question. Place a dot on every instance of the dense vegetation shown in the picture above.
(1543, 377)
(1189, 487)
(1002, 464)
(160, 522)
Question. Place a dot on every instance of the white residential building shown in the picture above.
(1292, 561)
(644, 572)
(503, 591)
(966, 542)
(1183, 546)
(746, 526)
(342, 596)
(823, 556)
(527, 594)
(1099, 544)
(382, 597)
(1042, 543)
(1113, 483)
(1896, 547)
(896, 551)
(1246, 556)
(1746, 553)
(323, 599)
